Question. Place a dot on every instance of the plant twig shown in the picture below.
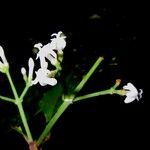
(95, 94)
(88, 75)
(67, 102)
(18, 102)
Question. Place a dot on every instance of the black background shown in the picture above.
(99, 122)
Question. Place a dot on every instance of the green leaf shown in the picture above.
(51, 101)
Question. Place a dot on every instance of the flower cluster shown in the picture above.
(52, 53)
(49, 52)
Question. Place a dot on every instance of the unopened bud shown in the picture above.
(118, 81)
(23, 72)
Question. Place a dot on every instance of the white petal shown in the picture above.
(140, 93)
(42, 83)
(38, 45)
(129, 99)
(131, 88)
(128, 86)
(51, 81)
(132, 93)
(47, 81)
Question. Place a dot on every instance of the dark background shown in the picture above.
(99, 122)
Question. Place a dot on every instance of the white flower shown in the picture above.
(132, 93)
(59, 41)
(3, 63)
(42, 76)
(46, 51)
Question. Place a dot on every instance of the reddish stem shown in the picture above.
(33, 146)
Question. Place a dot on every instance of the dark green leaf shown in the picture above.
(51, 101)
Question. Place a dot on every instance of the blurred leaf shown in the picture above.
(51, 101)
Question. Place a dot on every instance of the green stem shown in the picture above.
(104, 92)
(88, 75)
(18, 102)
(12, 85)
(51, 123)
(92, 95)
(7, 99)
(24, 121)
(24, 91)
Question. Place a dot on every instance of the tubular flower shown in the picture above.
(42, 76)
(46, 51)
(59, 41)
(3, 64)
(31, 68)
(132, 93)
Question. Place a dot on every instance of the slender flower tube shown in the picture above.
(3, 64)
(46, 51)
(132, 93)
(31, 68)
